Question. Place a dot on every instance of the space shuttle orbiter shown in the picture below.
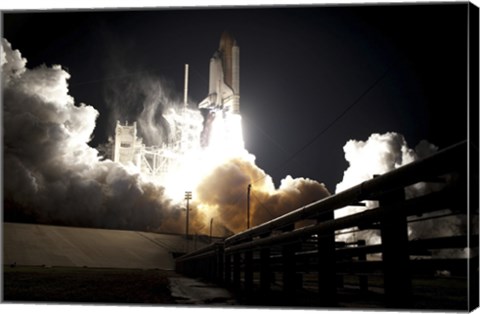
(224, 83)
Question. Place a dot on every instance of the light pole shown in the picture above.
(248, 206)
(188, 197)
(211, 224)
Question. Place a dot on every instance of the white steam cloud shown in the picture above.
(145, 100)
(382, 153)
(52, 175)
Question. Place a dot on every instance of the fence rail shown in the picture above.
(278, 255)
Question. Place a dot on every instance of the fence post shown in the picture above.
(228, 269)
(265, 272)
(248, 271)
(220, 256)
(327, 277)
(340, 279)
(362, 279)
(288, 255)
(288, 264)
(236, 270)
(395, 254)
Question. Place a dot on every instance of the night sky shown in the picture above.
(369, 69)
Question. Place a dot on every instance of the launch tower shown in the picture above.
(128, 146)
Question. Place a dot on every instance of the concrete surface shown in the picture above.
(29, 244)
(191, 291)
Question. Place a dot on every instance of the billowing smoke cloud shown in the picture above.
(52, 175)
(379, 154)
(223, 194)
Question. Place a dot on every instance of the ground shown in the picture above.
(86, 285)
(107, 286)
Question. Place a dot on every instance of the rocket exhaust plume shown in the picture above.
(379, 154)
(53, 176)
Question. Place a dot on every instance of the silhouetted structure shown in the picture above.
(275, 258)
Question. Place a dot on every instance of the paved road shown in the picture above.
(28, 244)
(192, 291)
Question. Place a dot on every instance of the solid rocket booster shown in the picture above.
(224, 77)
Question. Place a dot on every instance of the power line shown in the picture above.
(328, 126)
(199, 75)
(280, 147)
(238, 199)
(268, 211)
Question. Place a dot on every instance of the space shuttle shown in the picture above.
(224, 78)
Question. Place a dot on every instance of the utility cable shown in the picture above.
(331, 124)
(280, 147)
(238, 199)
(199, 75)
(268, 211)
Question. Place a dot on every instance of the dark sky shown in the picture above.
(400, 68)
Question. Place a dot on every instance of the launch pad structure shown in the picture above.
(223, 100)
(153, 161)
(129, 149)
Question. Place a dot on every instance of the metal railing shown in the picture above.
(276, 255)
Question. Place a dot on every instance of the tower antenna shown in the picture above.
(185, 91)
